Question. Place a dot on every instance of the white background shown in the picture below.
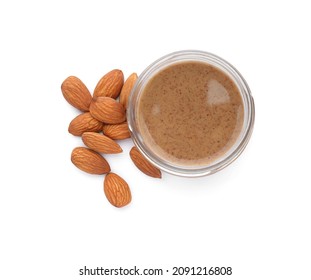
(253, 216)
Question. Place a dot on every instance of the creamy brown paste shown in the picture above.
(190, 113)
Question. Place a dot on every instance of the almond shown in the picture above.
(127, 88)
(110, 85)
(117, 131)
(84, 122)
(143, 164)
(76, 93)
(107, 110)
(117, 190)
(89, 161)
(100, 143)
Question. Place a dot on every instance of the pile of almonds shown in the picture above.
(101, 123)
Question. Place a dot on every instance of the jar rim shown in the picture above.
(227, 68)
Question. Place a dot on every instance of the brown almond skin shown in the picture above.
(100, 143)
(127, 88)
(107, 110)
(89, 161)
(76, 93)
(117, 131)
(83, 123)
(117, 190)
(143, 164)
(110, 85)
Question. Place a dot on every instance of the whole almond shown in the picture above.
(76, 93)
(143, 164)
(107, 110)
(127, 88)
(100, 143)
(117, 190)
(89, 161)
(117, 131)
(84, 122)
(110, 85)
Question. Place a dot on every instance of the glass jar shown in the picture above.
(151, 153)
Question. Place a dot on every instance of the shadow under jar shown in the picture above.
(191, 113)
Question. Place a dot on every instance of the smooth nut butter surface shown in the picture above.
(190, 113)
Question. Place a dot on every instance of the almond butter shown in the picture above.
(84, 122)
(117, 190)
(100, 143)
(76, 93)
(107, 110)
(110, 85)
(143, 164)
(89, 161)
(127, 88)
(117, 131)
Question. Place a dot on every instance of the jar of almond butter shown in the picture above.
(191, 113)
